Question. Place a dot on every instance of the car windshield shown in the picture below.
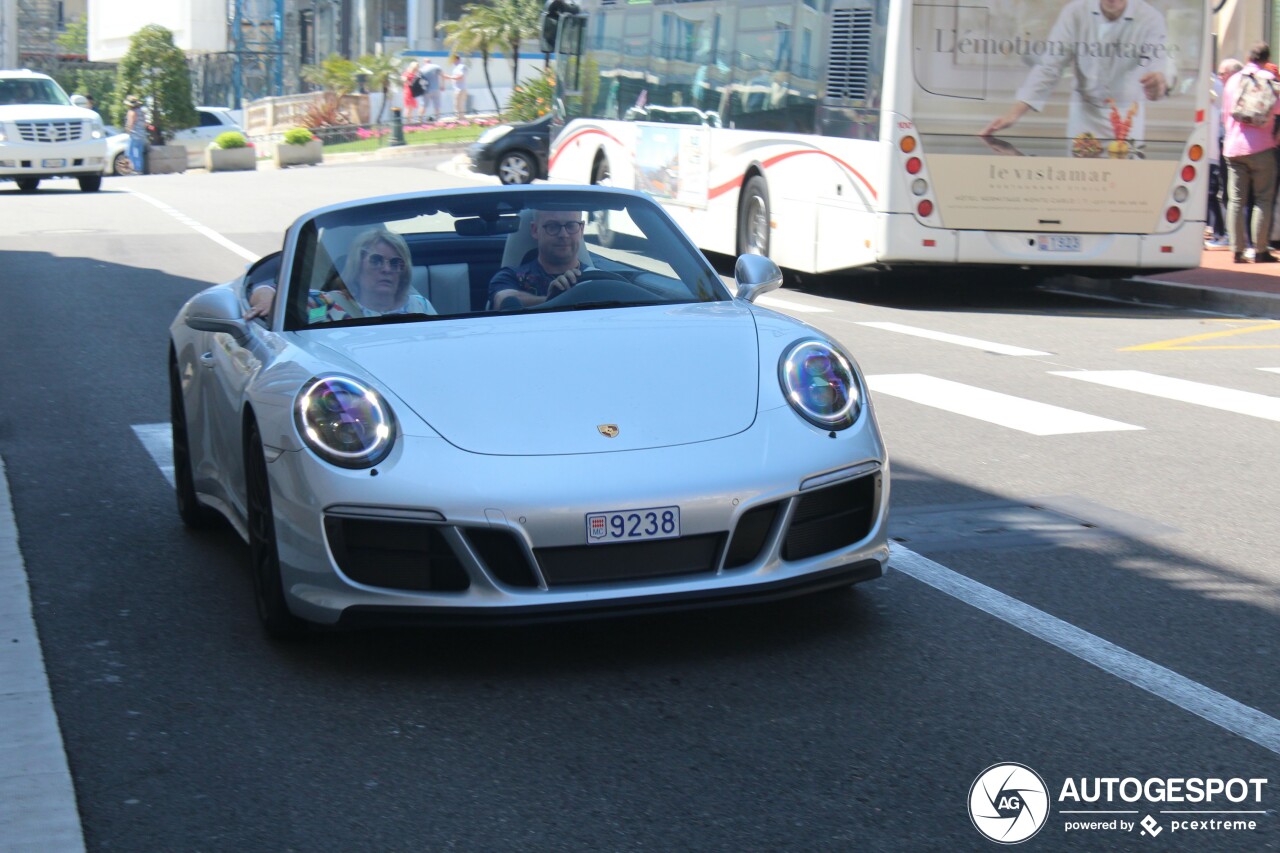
(510, 252)
(31, 91)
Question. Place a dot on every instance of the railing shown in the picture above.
(268, 116)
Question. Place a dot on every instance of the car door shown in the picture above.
(196, 139)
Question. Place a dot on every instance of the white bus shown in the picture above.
(835, 134)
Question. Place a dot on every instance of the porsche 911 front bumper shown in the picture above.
(449, 536)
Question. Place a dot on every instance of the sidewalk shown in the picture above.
(1218, 285)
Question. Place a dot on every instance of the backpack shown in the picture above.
(1256, 100)
(415, 86)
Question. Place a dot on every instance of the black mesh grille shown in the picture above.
(626, 561)
(831, 518)
(395, 554)
(503, 555)
(749, 536)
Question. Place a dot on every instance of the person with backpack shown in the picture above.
(1250, 102)
(412, 90)
(432, 82)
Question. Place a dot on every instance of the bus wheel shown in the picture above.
(753, 218)
(605, 235)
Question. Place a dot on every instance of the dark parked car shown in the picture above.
(516, 153)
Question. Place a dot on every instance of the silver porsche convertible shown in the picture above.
(518, 403)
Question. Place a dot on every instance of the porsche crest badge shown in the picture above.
(608, 430)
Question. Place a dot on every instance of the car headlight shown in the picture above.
(96, 130)
(345, 421)
(820, 384)
(495, 133)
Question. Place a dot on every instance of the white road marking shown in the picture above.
(198, 228)
(1183, 390)
(784, 305)
(961, 340)
(158, 440)
(1270, 369)
(1204, 702)
(37, 800)
(991, 406)
(1164, 683)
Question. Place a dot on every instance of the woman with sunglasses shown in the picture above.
(555, 269)
(374, 282)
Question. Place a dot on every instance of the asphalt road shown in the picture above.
(1091, 591)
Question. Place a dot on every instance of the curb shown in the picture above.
(399, 152)
(1151, 291)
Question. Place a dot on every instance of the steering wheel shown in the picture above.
(596, 285)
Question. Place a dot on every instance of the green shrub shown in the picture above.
(231, 139)
(533, 98)
(297, 136)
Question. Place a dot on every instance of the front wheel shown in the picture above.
(516, 167)
(90, 183)
(753, 218)
(194, 514)
(28, 185)
(122, 165)
(268, 587)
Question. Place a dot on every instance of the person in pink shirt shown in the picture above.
(1251, 162)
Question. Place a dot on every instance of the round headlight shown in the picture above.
(820, 384)
(344, 421)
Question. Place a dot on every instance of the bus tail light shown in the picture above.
(925, 207)
(907, 144)
(1173, 214)
(914, 165)
(1180, 194)
(1189, 172)
(1195, 153)
(919, 186)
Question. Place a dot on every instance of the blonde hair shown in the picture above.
(360, 247)
(412, 66)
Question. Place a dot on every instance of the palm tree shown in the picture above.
(379, 69)
(477, 31)
(520, 22)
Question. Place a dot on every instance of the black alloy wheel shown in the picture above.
(264, 557)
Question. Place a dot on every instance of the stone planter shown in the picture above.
(230, 159)
(166, 159)
(308, 154)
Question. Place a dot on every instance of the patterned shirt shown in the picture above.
(529, 277)
(328, 306)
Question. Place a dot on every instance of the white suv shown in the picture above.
(43, 136)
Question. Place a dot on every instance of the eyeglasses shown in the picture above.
(378, 261)
(553, 228)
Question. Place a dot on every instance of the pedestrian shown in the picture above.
(432, 81)
(135, 124)
(1217, 169)
(412, 89)
(458, 76)
(1248, 145)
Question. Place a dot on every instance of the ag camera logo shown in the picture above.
(1008, 803)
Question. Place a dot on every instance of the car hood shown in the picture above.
(575, 382)
(45, 112)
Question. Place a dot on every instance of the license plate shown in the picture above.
(633, 525)
(54, 164)
(1058, 242)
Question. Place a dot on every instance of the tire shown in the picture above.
(753, 218)
(516, 167)
(194, 514)
(122, 165)
(268, 588)
(90, 184)
(605, 235)
(28, 185)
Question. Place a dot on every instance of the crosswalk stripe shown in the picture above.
(158, 441)
(784, 305)
(1183, 390)
(1001, 409)
(960, 340)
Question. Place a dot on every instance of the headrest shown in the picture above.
(520, 242)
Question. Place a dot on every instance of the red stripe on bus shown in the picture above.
(578, 135)
(737, 182)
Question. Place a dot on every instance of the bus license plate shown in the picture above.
(53, 164)
(633, 525)
(1058, 242)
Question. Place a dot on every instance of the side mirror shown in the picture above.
(754, 275)
(218, 310)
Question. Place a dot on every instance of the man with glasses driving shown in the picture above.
(552, 271)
